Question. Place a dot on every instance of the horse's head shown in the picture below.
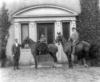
(59, 38)
(25, 41)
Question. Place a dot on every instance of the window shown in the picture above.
(24, 32)
(65, 27)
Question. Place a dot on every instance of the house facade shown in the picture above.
(43, 18)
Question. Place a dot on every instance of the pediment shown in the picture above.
(44, 10)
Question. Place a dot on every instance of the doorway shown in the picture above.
(48, 30)
(66, 29)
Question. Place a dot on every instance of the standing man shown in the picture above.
(74, 38)
(16, 53)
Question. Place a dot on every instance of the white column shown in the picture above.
(32, 35)
(33, 31)
(58, 28)
(72, 24)
(17, 31)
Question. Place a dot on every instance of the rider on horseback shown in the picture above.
(43, 39)
(42, 46)
(74, 38)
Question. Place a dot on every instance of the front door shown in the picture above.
(48, 30)
(66, 29)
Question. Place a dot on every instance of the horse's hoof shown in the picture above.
(71, 67)
(54, 66)
(86, 65)
(35, 67)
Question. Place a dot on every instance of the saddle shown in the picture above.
(42, 47)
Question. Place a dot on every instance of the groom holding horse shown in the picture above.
(16, 53)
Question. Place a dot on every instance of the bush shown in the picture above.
(94, 54)
(3, 57)
(4, 32)
(88, 21)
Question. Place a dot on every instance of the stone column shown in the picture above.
(58, 28)
(33, 31)
(17, 31)
(33, 36)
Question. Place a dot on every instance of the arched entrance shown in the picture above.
(46, 19)
(47, 29)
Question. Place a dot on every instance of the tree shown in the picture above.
(88, 21)
(4, 30)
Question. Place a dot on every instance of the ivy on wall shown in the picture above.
(88, 21)
(4, 30)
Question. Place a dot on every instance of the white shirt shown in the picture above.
(16, 44)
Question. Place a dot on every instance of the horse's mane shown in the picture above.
(31, 40)
(63, 39)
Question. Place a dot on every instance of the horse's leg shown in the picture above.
(69, 60)
(53, 55)
(35, 58)
(85, 62)
(85, 58)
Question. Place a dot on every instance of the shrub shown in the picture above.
(4, 31)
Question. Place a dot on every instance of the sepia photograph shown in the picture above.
(49, 40)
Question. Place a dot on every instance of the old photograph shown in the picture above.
(49, 40)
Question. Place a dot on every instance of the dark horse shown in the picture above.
(52, 50)
(81, 50)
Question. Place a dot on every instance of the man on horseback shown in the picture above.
(74, 38)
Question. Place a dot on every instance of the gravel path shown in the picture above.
(49, 74)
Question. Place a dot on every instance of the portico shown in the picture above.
(47, 19)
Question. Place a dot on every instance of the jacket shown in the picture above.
(43, 39)
(74, 37)
(16, 49)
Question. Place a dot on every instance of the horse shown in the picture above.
(81, 50)
(52, 50)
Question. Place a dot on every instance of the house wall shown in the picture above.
(15, 5)
(26, 56)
